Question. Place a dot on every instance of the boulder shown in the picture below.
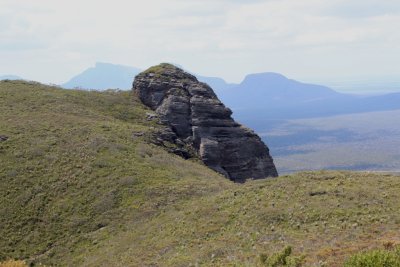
(199, 120)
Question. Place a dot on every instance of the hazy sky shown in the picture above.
(52, 40)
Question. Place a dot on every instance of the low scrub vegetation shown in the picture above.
(282, 258)
(79, 189)
(13, 263)
(376, 258)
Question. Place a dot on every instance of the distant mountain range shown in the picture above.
(104, 76)
(258, 99)
(218, 84)
(110, 76)
(273, 96)
(274, 90)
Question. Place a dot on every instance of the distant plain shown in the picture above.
(366, 141)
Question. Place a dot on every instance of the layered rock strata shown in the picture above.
(197, 119)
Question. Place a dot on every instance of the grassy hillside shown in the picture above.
(80, 188)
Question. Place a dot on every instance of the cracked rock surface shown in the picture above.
(198, 119)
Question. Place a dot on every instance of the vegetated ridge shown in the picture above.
(10, 77)
(82, 186)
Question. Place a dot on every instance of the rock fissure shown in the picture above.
(198, 119)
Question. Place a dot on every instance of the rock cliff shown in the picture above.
(197, 119)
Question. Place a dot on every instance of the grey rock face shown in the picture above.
(198, 119)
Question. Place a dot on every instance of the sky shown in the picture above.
(310, 40)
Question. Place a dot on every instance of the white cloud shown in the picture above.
(51, 40)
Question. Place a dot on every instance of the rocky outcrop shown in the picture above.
(197, 119)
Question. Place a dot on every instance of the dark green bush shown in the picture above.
(282, 258)
(375, 258)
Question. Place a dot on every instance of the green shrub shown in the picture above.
(282, 258)
(375, 258)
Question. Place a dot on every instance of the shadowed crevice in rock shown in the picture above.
(199, 120)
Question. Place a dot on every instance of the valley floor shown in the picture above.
(364, 141)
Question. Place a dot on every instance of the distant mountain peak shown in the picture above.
(104, 76)
(265, 78)
(111, 65)
(270, 75)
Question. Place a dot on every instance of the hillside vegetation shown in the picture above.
(81, 186)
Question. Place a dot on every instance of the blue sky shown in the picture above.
(52, 40)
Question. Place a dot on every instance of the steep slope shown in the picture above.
(104, 76)
(81, 186)
(75, 169)
(199, 120)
